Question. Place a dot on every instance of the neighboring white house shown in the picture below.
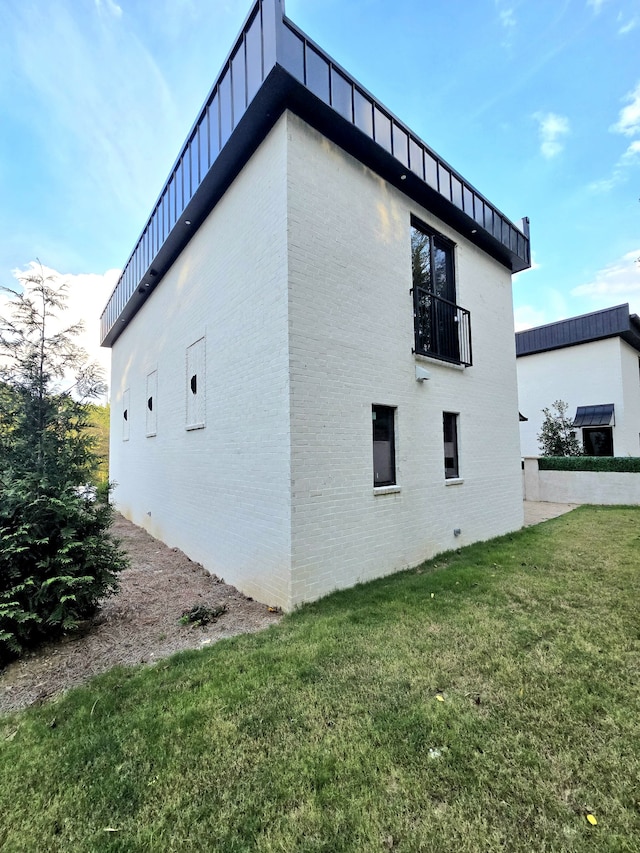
(313, 362)
(590, 362)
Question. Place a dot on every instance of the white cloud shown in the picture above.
(550, 304)
(552, 129)
(629, 120)
(629, 159)
(632, 153)
(526, 316)
(507, 21)
(626, 28)
(596, 5)
(617, 283)
(534, 266)
(110, 7)
(87, 296)
(101, 102)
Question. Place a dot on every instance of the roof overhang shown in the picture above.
(274, 67)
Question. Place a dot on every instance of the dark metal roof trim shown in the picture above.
(608, 323)
(589, 416)
(274, 66)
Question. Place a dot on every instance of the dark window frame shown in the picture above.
(442, 328)
(383, 419)
(450, 432)
(588, 436)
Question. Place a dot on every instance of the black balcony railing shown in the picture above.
(443, 329)
(274, 66)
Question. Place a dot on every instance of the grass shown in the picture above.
(486, 701)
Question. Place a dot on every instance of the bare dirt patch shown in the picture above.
(141, 624)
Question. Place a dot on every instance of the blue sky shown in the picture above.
(535, 102)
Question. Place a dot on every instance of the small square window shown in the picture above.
(450, 428)
(384, 449)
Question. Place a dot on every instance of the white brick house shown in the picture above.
(270, 414)
(591, 363)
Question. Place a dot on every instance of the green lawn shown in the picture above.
(486, 701)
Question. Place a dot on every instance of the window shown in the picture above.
(450, 428)
(598, 442)
(125, 416)
(442, 328)
(196, 385)
(151, 407)
(384, 450)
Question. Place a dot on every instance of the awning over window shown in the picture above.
(591, 416)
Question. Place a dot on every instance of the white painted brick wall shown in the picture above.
(585, 375)
(299, 280)
(351, 335)
(220, 493)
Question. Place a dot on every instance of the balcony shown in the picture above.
(443, 329)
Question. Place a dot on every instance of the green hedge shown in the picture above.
(590, 463)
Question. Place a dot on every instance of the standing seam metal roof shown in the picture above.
(608, 323)
(274, 66)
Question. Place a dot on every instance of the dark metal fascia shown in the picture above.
(585, 328)
(280, 90)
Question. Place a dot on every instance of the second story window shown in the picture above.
(442, 328)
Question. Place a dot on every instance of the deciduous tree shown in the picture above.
(557, 436)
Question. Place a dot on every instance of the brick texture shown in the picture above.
(299, 281)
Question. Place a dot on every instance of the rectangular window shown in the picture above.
(598, 441)
(152, 403)
(126, 415)
(196, 385)
(442, 328)
(450, 429)
(384, 445)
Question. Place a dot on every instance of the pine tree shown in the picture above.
(57, 558)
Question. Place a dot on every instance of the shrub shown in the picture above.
(56, 563)
(629, 464)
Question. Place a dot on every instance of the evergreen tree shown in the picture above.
(57, 558)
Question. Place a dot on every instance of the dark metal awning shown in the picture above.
(589, 416)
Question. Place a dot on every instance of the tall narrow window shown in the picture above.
(126, 415)
(384, 450)
(152, 407)
(442, 328)
(450, 427)
(196, 407)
